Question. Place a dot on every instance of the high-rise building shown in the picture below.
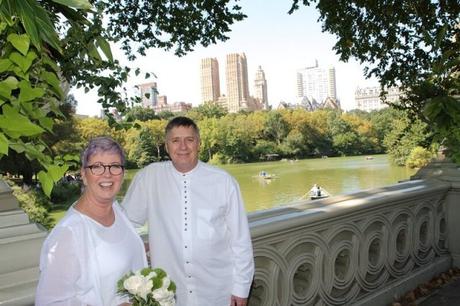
(260, 86)
(162, 100)
(210, 85)
(237, 82)
(316, 84)
(368, 98)
(149, 94)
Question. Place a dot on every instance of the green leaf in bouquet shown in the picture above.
(146, 271)
(157, 282)
(160, 273)
(172, 287)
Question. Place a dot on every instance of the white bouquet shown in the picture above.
(148, 287)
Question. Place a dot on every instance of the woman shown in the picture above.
(94, 245)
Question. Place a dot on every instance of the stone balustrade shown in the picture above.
(360, 249)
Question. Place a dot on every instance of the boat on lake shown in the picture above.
(265, 175)
(316, 193)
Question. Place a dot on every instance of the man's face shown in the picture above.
(183, 145)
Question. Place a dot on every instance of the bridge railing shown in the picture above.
(360, 249)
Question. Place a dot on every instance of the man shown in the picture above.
(198, 229)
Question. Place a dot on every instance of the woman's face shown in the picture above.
(103, 187)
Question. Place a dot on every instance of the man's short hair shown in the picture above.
(181, 121)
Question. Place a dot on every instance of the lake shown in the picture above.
(292, 179)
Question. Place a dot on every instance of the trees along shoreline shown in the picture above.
(276, 134)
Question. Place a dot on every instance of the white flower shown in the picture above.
(151, 275)
(145, 288)
(160, 294)
(166, 282)
(170, 302)
(139, 287)
(133, 283)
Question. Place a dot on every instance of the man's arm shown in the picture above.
(135, 201)
(241, 245)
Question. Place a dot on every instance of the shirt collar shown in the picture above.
(178, 173)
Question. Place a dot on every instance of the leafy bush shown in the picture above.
(65, 192)
(35, 205)
(419, 157)
(218, 159)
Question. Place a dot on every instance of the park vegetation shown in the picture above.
(262, 135)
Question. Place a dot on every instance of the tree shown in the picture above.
(144, 151)
(403, 137)
(276, 128)
(411, 44)
(207, 110)
(47, 42)
(208, 138)
(140, 113)
(89, 128)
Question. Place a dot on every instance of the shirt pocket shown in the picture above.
(206, 227)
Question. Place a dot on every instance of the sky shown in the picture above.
(271, 38)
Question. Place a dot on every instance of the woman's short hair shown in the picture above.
(101, 145)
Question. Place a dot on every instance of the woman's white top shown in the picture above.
(81, 260)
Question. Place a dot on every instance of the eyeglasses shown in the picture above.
(99, 169)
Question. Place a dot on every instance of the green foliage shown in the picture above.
(404, 137)
(247, 137)
(65, 192)
(207, 110)
(144, 152)
(140, 113)
(276, 128)
(35, 205)
(30, 89)
(419, 157)
(187, 22)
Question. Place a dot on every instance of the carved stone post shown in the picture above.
(7, 200)
(447, 172)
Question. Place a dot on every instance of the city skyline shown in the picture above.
(281, 48)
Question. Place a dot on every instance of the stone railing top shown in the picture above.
(443, 170)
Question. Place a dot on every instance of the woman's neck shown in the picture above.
(101, 212)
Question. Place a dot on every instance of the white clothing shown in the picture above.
(81, 260)
(198, 231)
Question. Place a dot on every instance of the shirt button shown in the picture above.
(185, 246)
